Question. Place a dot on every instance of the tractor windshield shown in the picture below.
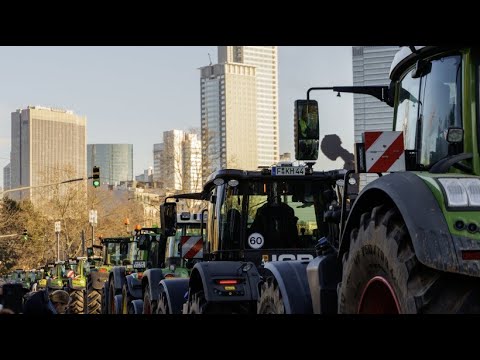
(121, 253)
(428, 106)
(270, 215)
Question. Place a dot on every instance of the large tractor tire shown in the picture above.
(94, 299)
(270, 300)
(112, 309)
(117, 304)
(77, 302)
(162, 306)
(149, 305)
(197, 304)
(382, 275)
(105, 297)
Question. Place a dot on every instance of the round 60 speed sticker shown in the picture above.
(255, 240)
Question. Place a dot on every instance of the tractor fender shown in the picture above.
(98, 279)
(175, 289)
(134, 286)
(137, 306)
(118, 275)
(323, 274)
(204, 274)
(433, 243)
(291, 278)
(152, 277)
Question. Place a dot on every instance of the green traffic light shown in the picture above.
(96, 183)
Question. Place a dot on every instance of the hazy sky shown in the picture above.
(132, 94)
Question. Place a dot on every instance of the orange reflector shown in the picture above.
(471, 255)
(227, 282)
(102, 270)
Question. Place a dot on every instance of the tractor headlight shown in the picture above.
(462, 192)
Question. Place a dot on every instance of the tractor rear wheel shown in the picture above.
(149, 305)
(382, 275)
(77, 302)
(162, 306)
(94, 300)
(117, 304)
(270, 300)
(111, 297)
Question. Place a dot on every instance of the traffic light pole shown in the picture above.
(93, 234)
(44, 185)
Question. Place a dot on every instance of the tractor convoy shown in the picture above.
(288, 239)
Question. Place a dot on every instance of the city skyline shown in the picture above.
(133, 94)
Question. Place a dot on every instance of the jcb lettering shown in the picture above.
(286, 257)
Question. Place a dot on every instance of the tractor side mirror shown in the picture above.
(168, 214)
(306, 130)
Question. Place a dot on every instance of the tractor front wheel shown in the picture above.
(382, 275)
(77, 302)
(270, 300)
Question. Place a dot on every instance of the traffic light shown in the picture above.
(25, 234)
(96, 176)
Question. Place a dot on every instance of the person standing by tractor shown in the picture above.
(43, 304)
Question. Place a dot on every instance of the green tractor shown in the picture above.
(170, 260)
(97, 274)
(76, 284)
(45, 273)
(118, 256)
(70, 276)
(130, 261)
(409, 242)
(99, 267)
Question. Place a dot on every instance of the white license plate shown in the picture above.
(139, 264)
(289, 170)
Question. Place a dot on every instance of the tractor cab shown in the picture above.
(146, 249)
(58, 280)
(276, 213)
(118, 251)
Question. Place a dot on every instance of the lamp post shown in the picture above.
(57, 232)
(93, 221)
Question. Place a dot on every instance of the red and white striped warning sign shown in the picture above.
(384, 151)
(192, 247)
(70, 274)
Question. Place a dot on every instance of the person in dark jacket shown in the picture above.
(43, 304)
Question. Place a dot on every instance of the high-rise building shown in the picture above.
(181, 162)
(371, 66)
(115, 162)
(6, 177)
(172, 161)
(192, 163)
(239, 100)
(228, 117)
(265, 61)
(157, 163)
(48, 145)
